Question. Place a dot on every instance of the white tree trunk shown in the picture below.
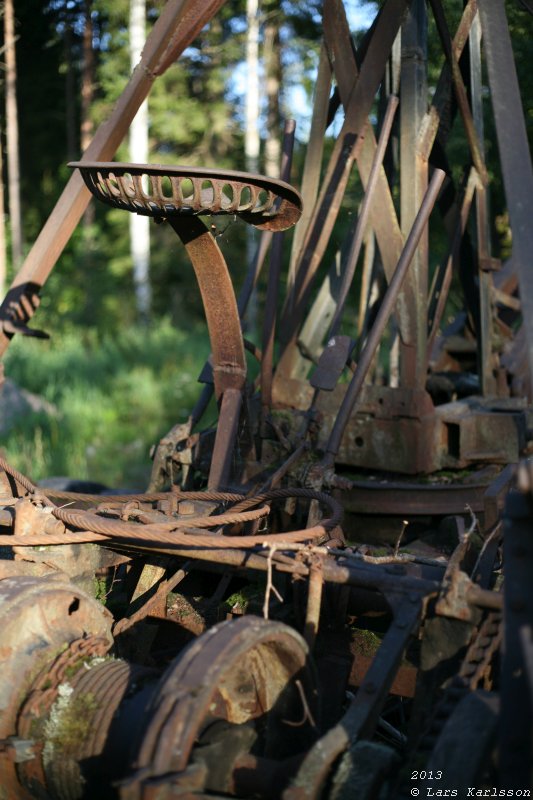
(251, 133)
(251, 136)
(13, 165)
(3, 259)
(272, 62)
(139, 226)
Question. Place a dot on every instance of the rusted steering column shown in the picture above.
(180, 195)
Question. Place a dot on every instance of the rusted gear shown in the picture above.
(38, 617)
(244, 687)
(43, 695)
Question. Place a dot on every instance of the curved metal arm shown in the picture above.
(229, 363)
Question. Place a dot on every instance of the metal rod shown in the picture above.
(218, 297)
(412, 301)
(472, 134)
(443, 275)
(383, 218)
(269, 324)
(314, 602)
(364, 213)
(515, 156)
(383, 315)
(312, 166)
(280, 473)
(484, 336)
(226, 435)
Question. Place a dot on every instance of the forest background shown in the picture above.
(118, 371)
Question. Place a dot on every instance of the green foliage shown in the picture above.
(115, 397)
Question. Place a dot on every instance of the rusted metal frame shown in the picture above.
(383, 316)
(432, 119)
(312, 166)
(383, 218)
(494, 497)
(175, 29)
(412, 303)
(516, 714)
(395, 498)
(225, 439)
(253, 273)
(472, 134)
(338, 349)
(366, 283)
(443, 275)
(515, 156)
(343, 155)
(252, 276)
(225, 335)
(274, 275)
(399, 578)
(485, 333)
(364, 213)
(229, 362)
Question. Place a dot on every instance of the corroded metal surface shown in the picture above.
(374, 615)
(173, 191)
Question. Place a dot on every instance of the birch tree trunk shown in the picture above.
(70, 94)
(3, 268)
(87, 96)
(251, 133)
(87, 80)
(273, 76)
(12, 135)
(139, 226)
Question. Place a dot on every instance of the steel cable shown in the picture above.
(172, 533)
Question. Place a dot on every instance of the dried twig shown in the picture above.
(307, 717)
(270, 586)
(405, 523)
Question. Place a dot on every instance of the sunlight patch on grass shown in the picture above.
(115, 398)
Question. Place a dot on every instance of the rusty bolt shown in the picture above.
(186, 507)
(168, 505)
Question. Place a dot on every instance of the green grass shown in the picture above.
(115, 397)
